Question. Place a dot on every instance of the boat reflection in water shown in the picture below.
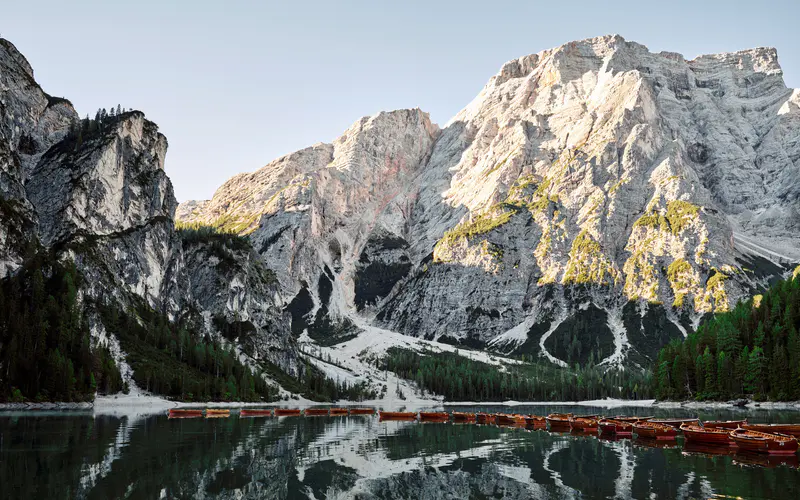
(95, 456)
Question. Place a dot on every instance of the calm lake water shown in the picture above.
(78, 455)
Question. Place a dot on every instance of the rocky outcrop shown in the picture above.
(593, 201)
(95, 191)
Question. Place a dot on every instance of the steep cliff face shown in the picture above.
(95, 191)
(593, 201)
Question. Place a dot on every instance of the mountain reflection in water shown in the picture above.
(73, 455)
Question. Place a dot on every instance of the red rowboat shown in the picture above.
(762, 442)
(559, 421)
(463, 417)
(675, 422)
(362, 411)
(724, 424)
(535, 421)
(315, 412)
(338, 412)
(484, 418)
(287, 412)
(217, 413)
(616, 427)
(708, 435)
(790, 429)
(185, 413)
(504, 419)
(434, 416)
(623, 418)
(397, 415)
(255, 413)
(583, 424)
(654, 430)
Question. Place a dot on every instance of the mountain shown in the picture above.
(594, 201)
(93, 192)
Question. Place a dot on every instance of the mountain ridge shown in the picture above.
(549, 131)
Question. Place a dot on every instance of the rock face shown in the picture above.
(593, 201)
(95, 191)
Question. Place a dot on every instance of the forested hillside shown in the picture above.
(459, 378)
(45, 348)
(753, 350)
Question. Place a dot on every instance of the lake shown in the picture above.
(79, 455)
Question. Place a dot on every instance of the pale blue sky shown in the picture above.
(235, 84)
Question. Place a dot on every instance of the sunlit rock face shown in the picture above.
(100, 196)
(590, 195)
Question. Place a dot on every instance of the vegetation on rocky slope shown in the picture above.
(753, 350)
(458, 378)
(46, 351)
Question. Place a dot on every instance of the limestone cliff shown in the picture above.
(95, 191)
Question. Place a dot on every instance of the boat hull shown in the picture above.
(255, 413)
(362, 411)
(316, 412)
(699, 435)
(396, 415)
(285, 412)
(761, 442)
(790, 429)
(724, 424)
(463, 417)
(338, 412)
(658, 432)
(185, 413)
(484, 418)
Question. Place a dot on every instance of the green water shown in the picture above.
(79, 455)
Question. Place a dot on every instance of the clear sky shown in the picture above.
(233, 85)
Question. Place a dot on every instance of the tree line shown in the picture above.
(169, 358)
(753, 350)
(46, 352)
(458, 378)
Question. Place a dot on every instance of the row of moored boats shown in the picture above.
(277, 412)
(776, 439)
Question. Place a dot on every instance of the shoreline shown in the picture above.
(146, 404)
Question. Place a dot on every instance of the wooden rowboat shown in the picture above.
(655, 430)
(434, 416)
(175, 413)
(338, 412)
(535, 421)
(762, 442)
(724, 424)
(484, 418)
(397, 415)
(615, 427)
(463, 417)
(583, 424)
(675, 422)
(255, 413)
(217, 413)
(362, 411)
(559, 421)
(504, 419)
(315, 412)
(707, 435)
(624, 418)
(287, 412)
(790, 429)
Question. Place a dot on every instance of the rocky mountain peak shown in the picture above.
(596, 183)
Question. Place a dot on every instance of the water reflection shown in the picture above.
(85, 456)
